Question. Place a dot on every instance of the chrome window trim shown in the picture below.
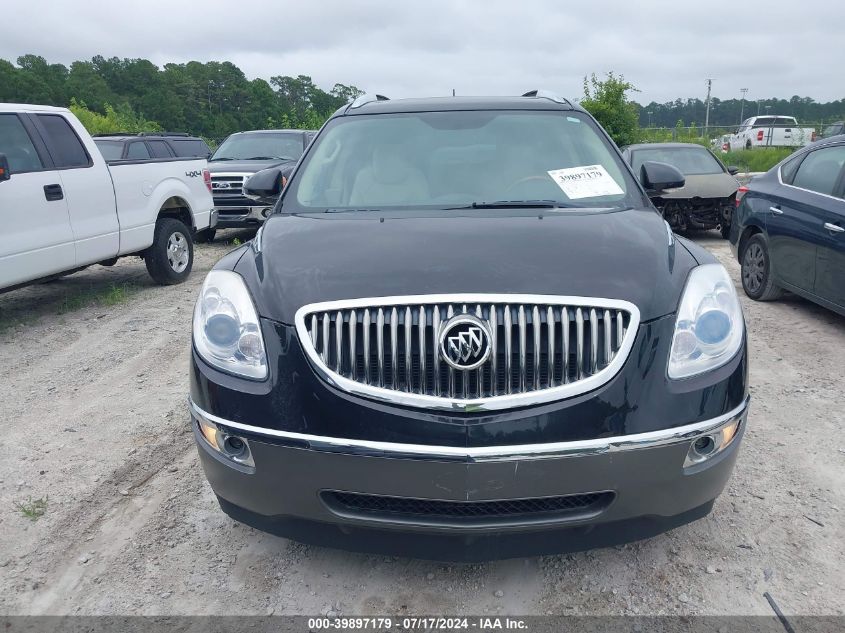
(578, 448)
(456, 405)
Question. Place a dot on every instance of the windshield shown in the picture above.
(111, 150)
(690, 161)
(260, 146)
(453, 160)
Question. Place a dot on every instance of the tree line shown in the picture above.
(731, 112)
(212, 99)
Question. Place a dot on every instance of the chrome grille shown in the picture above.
(227, 184)
(543, 348)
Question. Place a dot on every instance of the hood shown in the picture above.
(704, 186)
(302, 259)
(245, 166)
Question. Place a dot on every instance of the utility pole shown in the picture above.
(707, 110)
(744, 91)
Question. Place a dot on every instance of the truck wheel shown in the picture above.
(170, 258)
(725, 229)
(747, 144)
(757, 279)
(206, 236)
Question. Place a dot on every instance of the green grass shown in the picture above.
(112, 295)
(762, 159)
(33, 509)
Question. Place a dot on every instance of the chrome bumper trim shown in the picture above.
(652, 439)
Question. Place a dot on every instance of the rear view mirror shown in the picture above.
(733, 170)
(657, 177)
(5, 174)
(265, 186)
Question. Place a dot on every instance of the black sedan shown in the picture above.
(465, 333)
(789, 232)
(708, 197)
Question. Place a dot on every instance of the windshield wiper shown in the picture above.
(211, 160)
(517, 204)
(268, 158)
(350, 210)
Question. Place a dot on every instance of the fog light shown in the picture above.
(228, 446)
(266, 212)
(708, 446)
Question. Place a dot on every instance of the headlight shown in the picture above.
(226, 330)
(709, 328)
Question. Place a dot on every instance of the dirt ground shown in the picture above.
(94, 400)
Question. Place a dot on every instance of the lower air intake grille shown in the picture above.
(398, 507)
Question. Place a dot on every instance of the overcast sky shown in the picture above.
(413, 48)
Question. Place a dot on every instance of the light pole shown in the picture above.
(707, 111)
(744, 91)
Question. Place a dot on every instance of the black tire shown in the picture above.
(206, 236)
(170, 259)
(725, 229)
(756, 270)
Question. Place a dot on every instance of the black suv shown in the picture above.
(147, 145)
(465, 332)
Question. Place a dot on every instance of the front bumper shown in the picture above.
(646, 484)
(242, 216)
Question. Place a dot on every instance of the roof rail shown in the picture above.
(163, 134)
(547, 94)
(141, 134)
(365, 99)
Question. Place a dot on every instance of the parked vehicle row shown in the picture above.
(771, 131)
(789, 229)
(146, 145)
(64, 207)
(708, 197)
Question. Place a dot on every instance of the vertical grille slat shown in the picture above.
(338, 342)
(579, 344)
(435, 328)
(353, 350)
(535, 346)
(535, 327)
(494, 341)
(380, 346)
(564, 344)
(450, 312)
(421, 337)
(325, 348)
(394, 349)
(366, 342)
(409, 365)
(594, 341)
(550, 336)
(522, 350)
(508, 349)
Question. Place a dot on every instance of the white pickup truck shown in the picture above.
(771, 131)
(62, 207)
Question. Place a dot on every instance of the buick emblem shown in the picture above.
(465, 342)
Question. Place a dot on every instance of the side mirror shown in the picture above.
(733, 170)
(265, 186)
(657, 177)
(5, 174)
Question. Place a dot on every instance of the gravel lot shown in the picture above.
(97, 423)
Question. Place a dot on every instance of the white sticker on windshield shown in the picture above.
(585, 182)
